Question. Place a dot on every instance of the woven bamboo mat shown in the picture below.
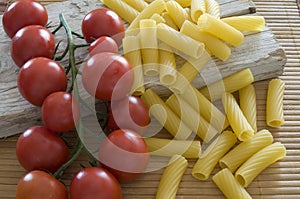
(281, 180)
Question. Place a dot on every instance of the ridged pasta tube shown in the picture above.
(209, 159)
(171, 178)
(230, 187)
(198, 7)
(246, 23)
(168, 71)
(213, 8)
(139, 5)
(177, 13)
(258, 162)
(236, 118)
(237, 156)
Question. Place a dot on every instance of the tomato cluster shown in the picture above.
(43, 82)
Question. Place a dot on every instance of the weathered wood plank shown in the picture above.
(260, 52)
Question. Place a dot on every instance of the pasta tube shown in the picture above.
(274, 109)
(236, 118)
(197, 9)
(124, 10)
(229, 84)
(213, 8)
(179, 41)
(171, 178)
(139, 5)
(166, 147)
(148, 35)
(184, 3)
(246, 23)
(191, 118)
(237, 156)
(258, 162)
(168, 72)
(248, 105)
(158, 18)
(176, 12)
(207, 109)
(131, 49)
(215, 46)
(230, 187)
(220, 29)
(169, 21)
(208, 160)
(157, 6)
(165, 115)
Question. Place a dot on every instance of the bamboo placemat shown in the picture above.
(281, 180)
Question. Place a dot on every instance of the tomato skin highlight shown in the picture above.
(107, 76)
(40, 77)
(60, 112)
(24, 47)
(125, 154)
(95, 182)
(23, 13)
(102, 22)
(39, 184)
(103, 44)
(128, 113)
(33, 147)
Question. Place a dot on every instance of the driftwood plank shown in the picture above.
(260, 52)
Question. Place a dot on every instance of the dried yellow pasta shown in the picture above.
(215, 46)
(149, 47)
(184, 3)
(165, 115)
(247, 97)
(171, 178)
(258, 162)
(220, 29)
(131, 49)
(236, 118)
(168, 72)
(197, 9)
(213, 8)
(169, 21)
(207, 161)
(176, 12)
(274, 109)
(246, 23)
(124, 10)
(158, 18)
(242, 152)
(230, 187)
(139, 5)
(167, 147)
(229, 84)
(179, 41)
(191, 118)
(157, 6)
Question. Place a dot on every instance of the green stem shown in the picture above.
(57, 28)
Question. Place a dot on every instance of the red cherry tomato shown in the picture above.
(60, 112)
(40, 77)
(39, 184)
(23, 13)
(102, 22)
(125, 154)
(103, 44)
(32, 41)
(33, 149)
(95, 182)
(107, 76)
(128, 113)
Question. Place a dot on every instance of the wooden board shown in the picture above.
(259, 52)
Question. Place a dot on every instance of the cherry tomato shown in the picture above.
(40, 77)
(23, 13)
(33, 149)
(39, 184)
(128, 113)
(107, 76)
(60, 112)
(125, 154)
(32, 41)
(103, 44)
(102, 22)
(95, 182)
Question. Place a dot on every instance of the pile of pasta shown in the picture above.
(159, 32)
